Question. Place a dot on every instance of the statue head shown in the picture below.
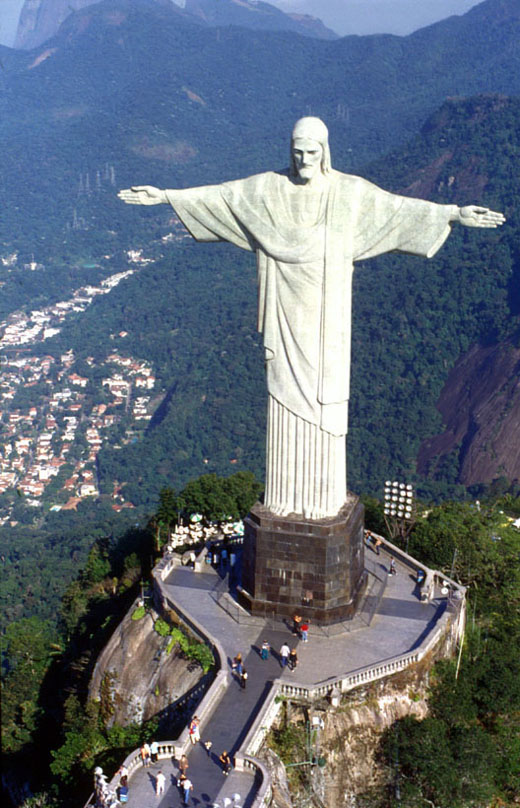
(309, 148)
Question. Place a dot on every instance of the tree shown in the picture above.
(30, 647)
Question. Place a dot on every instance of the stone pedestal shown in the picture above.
(313, 568)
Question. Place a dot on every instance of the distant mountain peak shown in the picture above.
(41, 19)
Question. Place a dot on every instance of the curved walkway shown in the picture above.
(399, 624)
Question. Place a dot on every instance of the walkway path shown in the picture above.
(399, 624)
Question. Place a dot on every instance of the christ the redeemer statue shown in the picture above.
(308, 224)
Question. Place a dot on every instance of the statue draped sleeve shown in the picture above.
(208, 216)
(361, 221)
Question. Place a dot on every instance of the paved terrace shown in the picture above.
(393, 621)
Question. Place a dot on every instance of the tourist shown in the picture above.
(226, 763)
(123, 775)
(145, 754)
(183, 765)
(304, 629)
(187, 786)
(297, 621)
(264, 652)
(243, 679)
(236, 665)
(194, 731)
(207, 747)
(284, 654)
(378, 541)
(392, 570)
(160, 782)
(293, 659)
(154, 751)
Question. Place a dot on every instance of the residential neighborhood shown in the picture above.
(53, 434)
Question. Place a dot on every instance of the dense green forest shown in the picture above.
(466, 753)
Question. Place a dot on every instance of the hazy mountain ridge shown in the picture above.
(41, 19)
(120, 76)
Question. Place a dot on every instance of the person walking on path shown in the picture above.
(145, 754)
(297, 621)
(304, 629)
(160, 782)
(207, 747)
(194, 731)
(154, 751)
(226, 762)
(237, 665)
(243, 679)
(293, 659)
(392, 570)
(284, 654)
(264, 653)
(187, 786)
(183, 765)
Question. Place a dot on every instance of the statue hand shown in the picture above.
(475, 216)
(142, 195)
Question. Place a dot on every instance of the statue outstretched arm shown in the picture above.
(143, 195)
(476, 216)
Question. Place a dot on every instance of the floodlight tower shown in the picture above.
(399, 510)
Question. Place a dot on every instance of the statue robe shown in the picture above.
(306, 245)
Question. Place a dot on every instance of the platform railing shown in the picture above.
(245, 758)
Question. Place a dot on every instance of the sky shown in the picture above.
(343, 16)
(377, 16)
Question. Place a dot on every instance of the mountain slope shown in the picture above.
(41, 19)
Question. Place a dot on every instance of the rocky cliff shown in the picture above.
(139, 680)
(40, 19)
(480, 405)
(348, 742)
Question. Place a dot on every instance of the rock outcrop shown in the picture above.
(480, 405)
(137, 677)
(40, 19)
(349, 736)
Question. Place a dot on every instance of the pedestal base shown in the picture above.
(313, 568)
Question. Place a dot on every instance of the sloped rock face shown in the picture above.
(480, 405)
(350, 737)
(40, 19)
(137, 676)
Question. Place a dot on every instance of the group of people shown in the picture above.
(183, 781)
(149, 752)
(301, 628)
(376, 542)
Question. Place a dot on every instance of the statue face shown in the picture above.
(307, 155)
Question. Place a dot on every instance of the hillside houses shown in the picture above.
(58, 437)
(54, 437)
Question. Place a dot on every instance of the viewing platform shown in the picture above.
(393, 629)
